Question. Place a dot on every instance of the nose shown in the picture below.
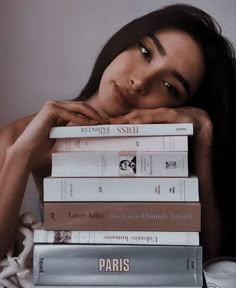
(138, 85)
(141, 81)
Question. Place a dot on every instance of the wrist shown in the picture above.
(202, 140)
(205, 133)
(202, 152)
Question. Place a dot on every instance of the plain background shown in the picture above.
(48, 47)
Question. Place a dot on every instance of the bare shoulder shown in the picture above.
(13, 130)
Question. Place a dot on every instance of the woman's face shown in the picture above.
(162, 70)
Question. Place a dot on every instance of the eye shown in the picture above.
(171, 89)
(145, 52)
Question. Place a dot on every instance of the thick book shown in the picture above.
(69, 189)
(120, 163)
(65, 264)
(123, 130)
(134, 216)
(138, 143)
(116, 237)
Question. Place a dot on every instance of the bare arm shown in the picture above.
(202, 159)
(22, 145)
(15, 169)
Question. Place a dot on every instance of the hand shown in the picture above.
(200, 118)
(35, 138)
(203, 129)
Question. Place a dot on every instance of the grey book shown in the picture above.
(119, 265)
(59, 286)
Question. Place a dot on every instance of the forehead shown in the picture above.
(172, 35)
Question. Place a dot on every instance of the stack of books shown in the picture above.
(120, 209)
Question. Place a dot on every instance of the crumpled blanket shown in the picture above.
(16, 267)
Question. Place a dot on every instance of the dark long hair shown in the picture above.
(215, 95)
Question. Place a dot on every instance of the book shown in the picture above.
(95, 286)
(65, 264)
(120, 163)
(134, 216)
(69, 189)
(138, 143)
(124, 130)
(110, 286)
(116, 237)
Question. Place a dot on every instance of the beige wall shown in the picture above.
(47, 47)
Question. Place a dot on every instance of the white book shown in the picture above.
(120, 164)
(123, 130)
(116, 237)
(69, 189)
(138, 143)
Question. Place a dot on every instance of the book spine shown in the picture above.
(110, 286)
(123, 130)
(134, 216)
(117, 265)
(116, 237)
(152, 143)
(121, 189)
(118, 164)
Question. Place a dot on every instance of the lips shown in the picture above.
(122, 97)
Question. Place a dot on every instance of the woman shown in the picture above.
(171, 65)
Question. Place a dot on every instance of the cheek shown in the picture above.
(115, 72)
(121, 65)
(157, 99)
(105, 82)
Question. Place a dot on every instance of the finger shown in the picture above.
(141, 116)
(65, 116)
(160, 115)
(82, 108)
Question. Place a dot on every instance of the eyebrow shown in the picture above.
(163, 52)
(158, 44)
(182, 80)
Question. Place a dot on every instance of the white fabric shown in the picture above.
(16, 271)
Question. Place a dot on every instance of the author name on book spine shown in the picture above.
(108, 130)
(144, 215)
